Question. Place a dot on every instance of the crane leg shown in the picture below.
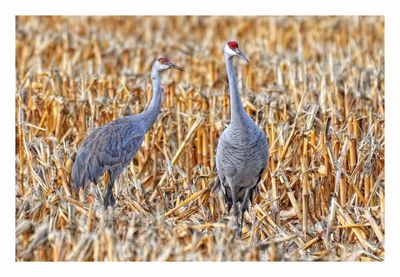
(109, 198)
(216, 185)
(228, 197)
(243, 208)
(235, 210)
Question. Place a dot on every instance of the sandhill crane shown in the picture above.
(112, 146)
(242, 151)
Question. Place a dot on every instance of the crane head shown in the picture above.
(232, 49)
(163, 64)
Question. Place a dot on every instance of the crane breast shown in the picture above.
(241, 156)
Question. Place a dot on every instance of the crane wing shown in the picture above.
(110, 147)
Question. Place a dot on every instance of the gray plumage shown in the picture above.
(242, 151)
(112, 146)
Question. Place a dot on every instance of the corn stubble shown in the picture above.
(314, 84)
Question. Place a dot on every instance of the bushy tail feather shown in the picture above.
(78, 174)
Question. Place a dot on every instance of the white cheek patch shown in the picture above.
(229, 50)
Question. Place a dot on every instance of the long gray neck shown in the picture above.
(237, 111)
(152, 111)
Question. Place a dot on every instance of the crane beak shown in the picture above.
(176, 67)
(242, 56)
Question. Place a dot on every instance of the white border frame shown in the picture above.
(198, 7)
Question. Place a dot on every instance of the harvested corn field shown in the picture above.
(315, 85)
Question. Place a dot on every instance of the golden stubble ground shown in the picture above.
(315, 85)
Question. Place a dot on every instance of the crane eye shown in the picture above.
(162, 60)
